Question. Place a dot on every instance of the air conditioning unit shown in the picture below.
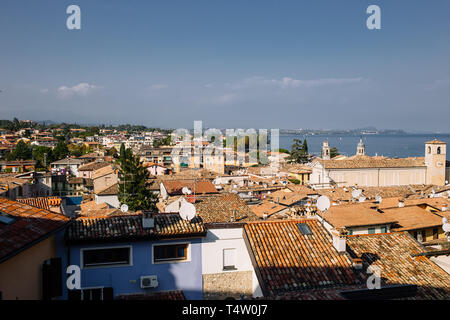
(149, 282)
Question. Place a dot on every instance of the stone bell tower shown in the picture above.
(361, 148)
(435, 157)
(325, 151)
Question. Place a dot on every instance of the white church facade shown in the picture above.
(378, 171)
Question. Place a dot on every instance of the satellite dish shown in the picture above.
(187, 211)
(379, 199)
(362, 199)
(446, 227)
(323, 203)
(185, 190)
(124, 208)
(355, 193)
(444, 220)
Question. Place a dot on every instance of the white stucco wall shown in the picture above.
(213, 245)
(110, 200)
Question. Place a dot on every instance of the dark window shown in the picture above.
(304, 229)
(435, 233)
(106, 257)
(170, 252)
(429, 150)
(52, 278)
(383, 229)
(415, 235)
(371, 230)
(424, 236)
(439, 150)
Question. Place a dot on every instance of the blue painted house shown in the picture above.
(135, 256)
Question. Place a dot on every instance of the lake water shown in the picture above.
(408, 145)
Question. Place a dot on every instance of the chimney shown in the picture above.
(357, 263)
(339, 242)
(148, 222)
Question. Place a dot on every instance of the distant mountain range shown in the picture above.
(359, 131)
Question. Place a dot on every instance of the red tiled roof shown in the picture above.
(42, 202)
(175, 187)
(392, 253)
(221, 207)
(289, 261)
(130, 227)
(30, 225)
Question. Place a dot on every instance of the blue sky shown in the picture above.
(260, 64)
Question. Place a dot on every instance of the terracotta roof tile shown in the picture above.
(370, 162)
(392, 252)
(130, 227)
(221, 207)
(174, 187)
(42, 202)
(30, 224)
(289, 261)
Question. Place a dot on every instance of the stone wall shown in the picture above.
(227, 284)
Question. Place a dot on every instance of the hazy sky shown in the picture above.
(233, 63)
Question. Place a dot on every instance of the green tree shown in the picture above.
(43, 154)
(305, 146)
(281, 150)
(298, 153)
(334, 152)
(61, 150)
(134, 183)
(112, 152)
(122, 151)
(22, 151)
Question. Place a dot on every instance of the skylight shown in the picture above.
(6, 219)
(304, 229)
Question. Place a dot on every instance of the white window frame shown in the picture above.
(130, 264)
(188, 253)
